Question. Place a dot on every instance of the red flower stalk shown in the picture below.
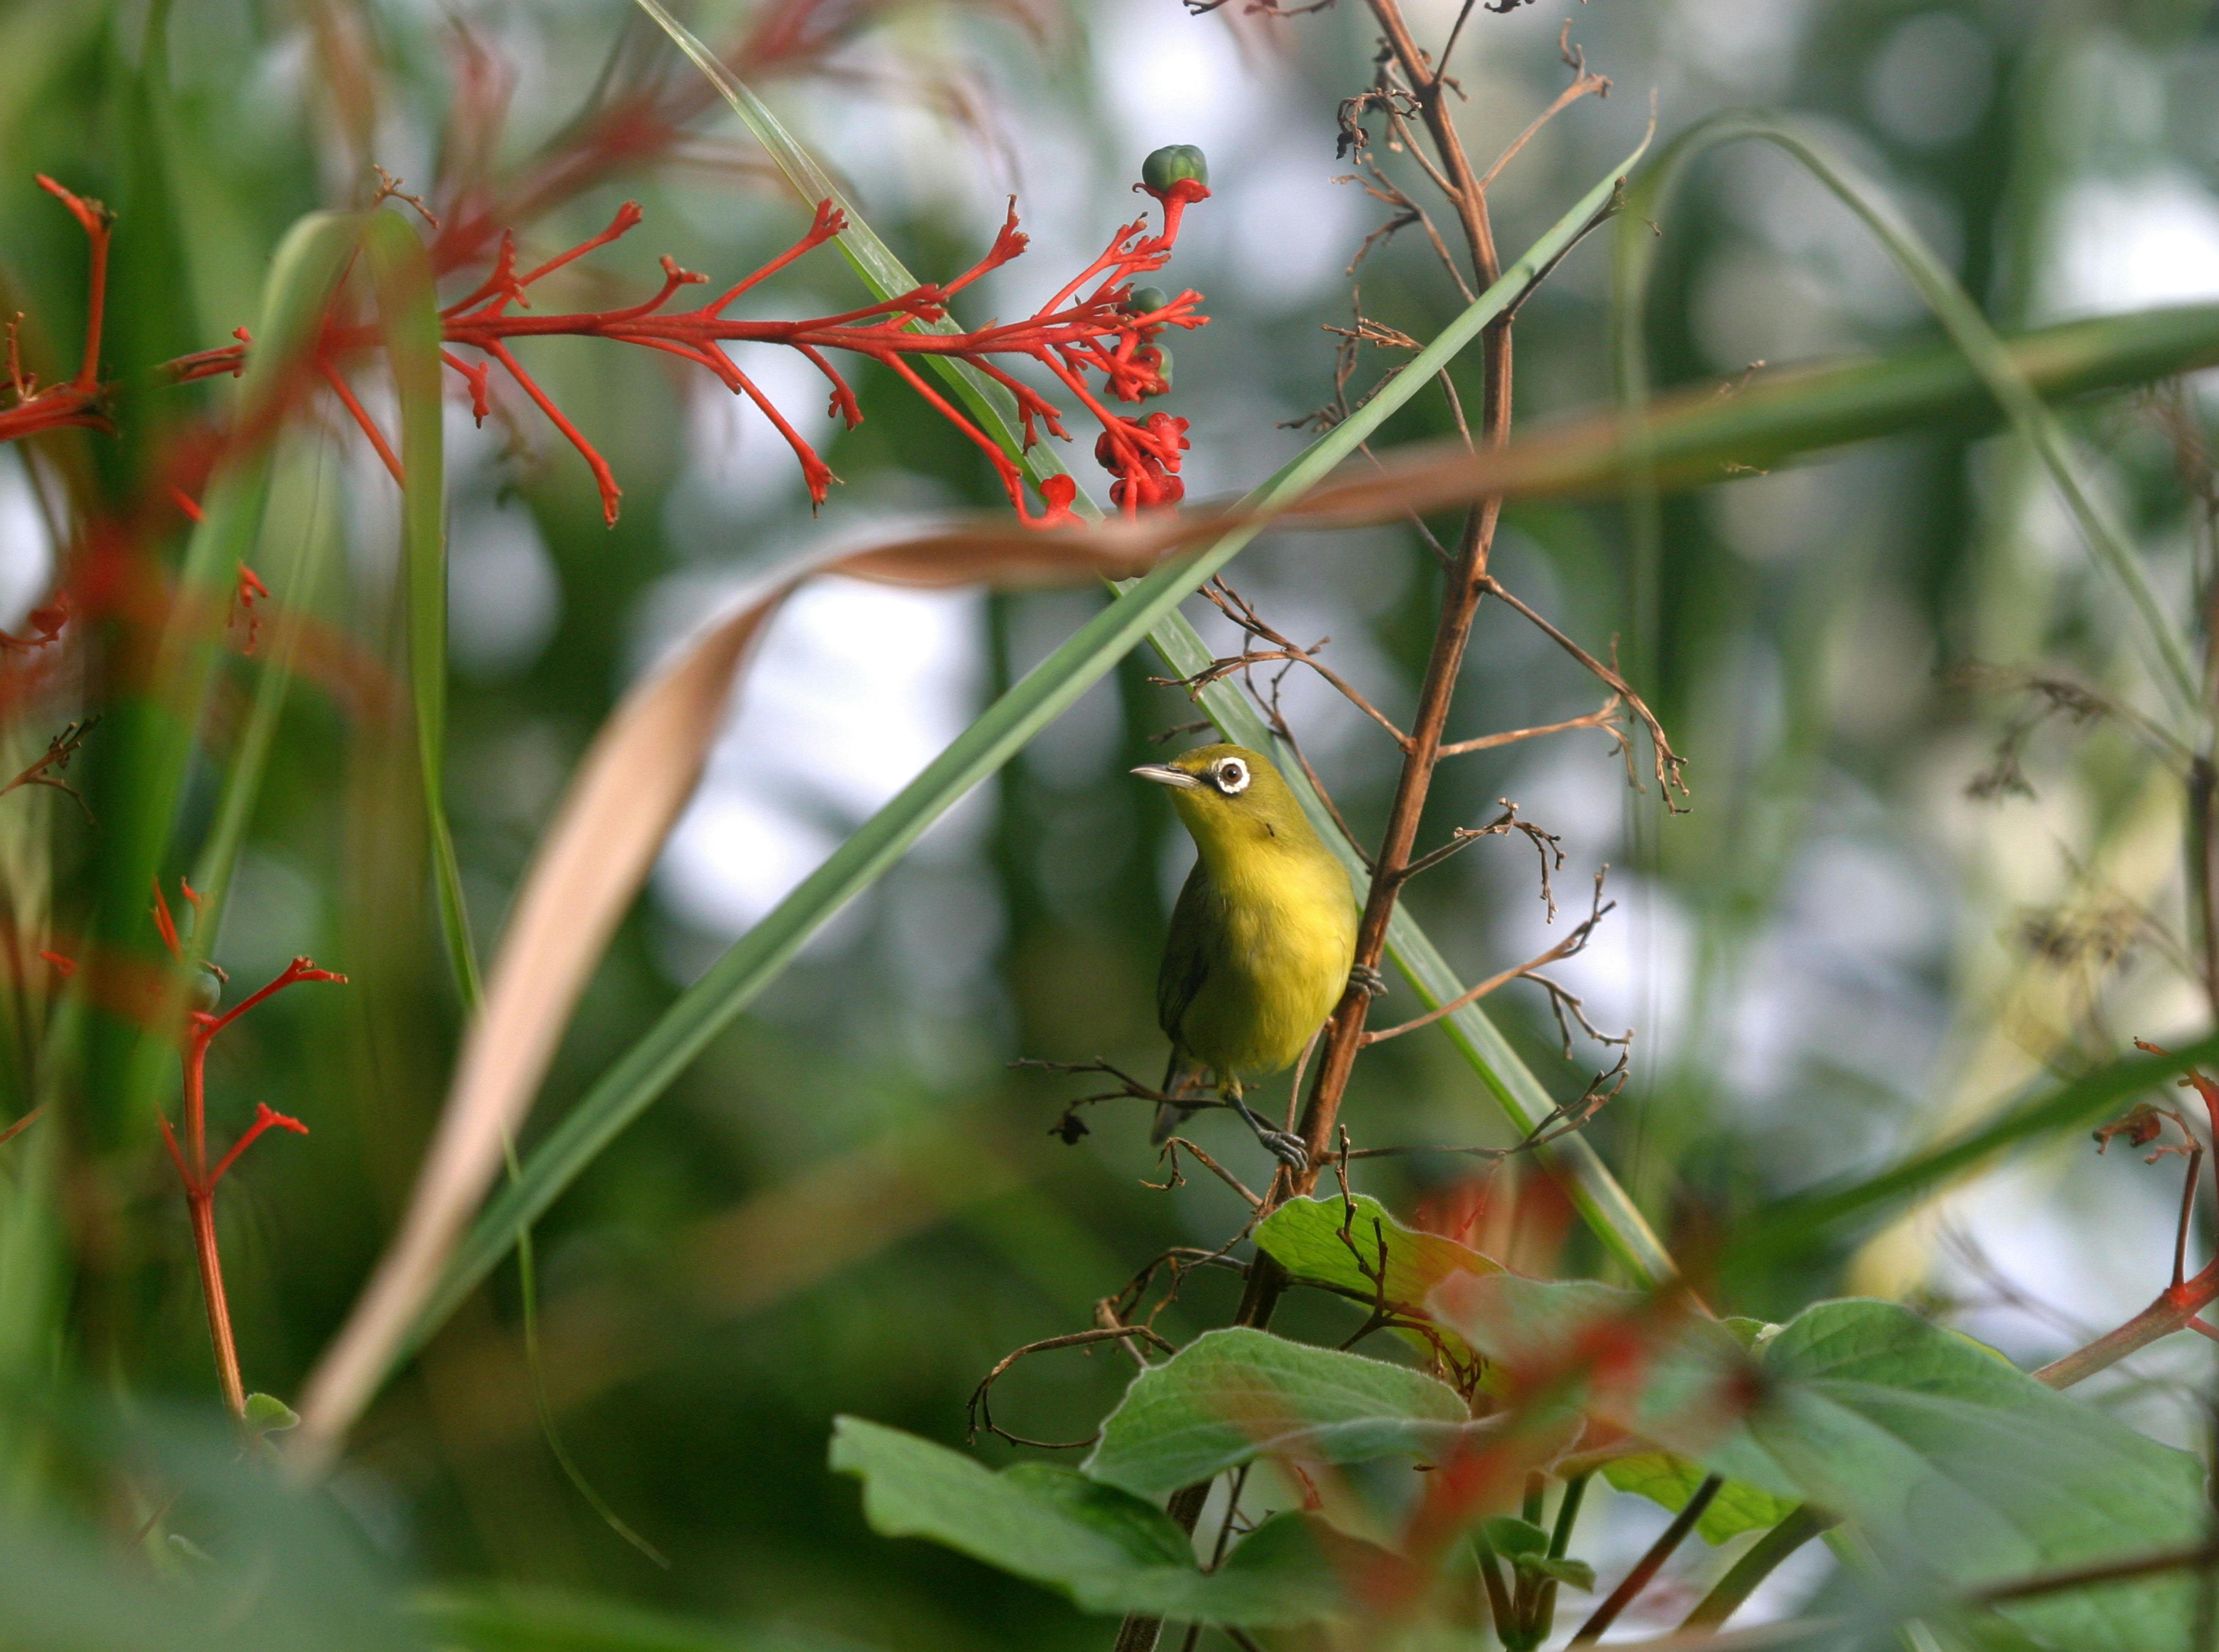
(249, 591)
(1105, 329)
(191, 1156)
(77, 400)
(1071, 335)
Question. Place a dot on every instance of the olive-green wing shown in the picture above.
(1197, 921)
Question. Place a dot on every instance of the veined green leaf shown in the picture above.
(1960, 1467)
(1354, 1247)
(1233, 1395)
(1599, 1198)
(1107, 1550)
(732, 982)
(1647, 1362)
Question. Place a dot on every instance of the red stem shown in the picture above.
(333, 377)
(199, 1206)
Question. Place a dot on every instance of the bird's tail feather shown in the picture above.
(1177, 1077)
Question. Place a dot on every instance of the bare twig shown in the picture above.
(1670, 763)
(1584, 83)
(1242, 613)
(1284, 732)
(1569, 946)
(980, 1411)
(1605, 718)
(1546, 844)
(1172, 1144)
(47, 770)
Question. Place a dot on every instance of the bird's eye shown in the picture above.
(1232, 776)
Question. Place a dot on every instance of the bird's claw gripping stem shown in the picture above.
(1287, 1149)
(1373, 982)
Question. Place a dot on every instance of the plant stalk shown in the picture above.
(1344, 1037)
(200, 1209)
(1648, 1566)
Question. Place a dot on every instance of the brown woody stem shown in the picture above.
(1467, 581)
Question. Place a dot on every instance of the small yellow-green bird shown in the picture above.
(1262, 939)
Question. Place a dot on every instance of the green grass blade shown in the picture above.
(731, 984)
(219, 855)
(408, 310)
(156, 732)
(1601, 1201)
(1698, 437)
(303, 275)
(2171, 660)
(2074, 1105)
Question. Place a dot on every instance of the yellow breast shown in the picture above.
(1279, 961)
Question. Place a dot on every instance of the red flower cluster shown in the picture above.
(1075, 334)
(1096, 324)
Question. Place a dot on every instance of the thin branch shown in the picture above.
(46, 769)
(1242, 613)
(1604, 717)
(980, 1411)
(1583, 84)
(1670, 763)
(1571, 945)
(1172, 1144)
(1545, 843)
(1648, 1566)
(1284, 731)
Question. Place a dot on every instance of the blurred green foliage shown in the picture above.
(851, 1204)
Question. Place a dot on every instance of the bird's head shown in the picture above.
(1228, 795)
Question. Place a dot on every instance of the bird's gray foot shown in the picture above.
(1287, 1149)
(1373, 982)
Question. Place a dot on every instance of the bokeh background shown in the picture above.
(852, 1203)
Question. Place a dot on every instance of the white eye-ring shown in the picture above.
(1232, 776)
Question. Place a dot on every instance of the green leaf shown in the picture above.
(1575, 1573)
(1648, 1364)
(1306, 1238)
(292, 588)
(1601, 1202)
(153, 733)
(645, 1071)
(1514, 1537)
(1670, 1480)
(1339, 1246)
(1959, 1466)
(1108, 1551)
(1235, 1394)
(267, 1414)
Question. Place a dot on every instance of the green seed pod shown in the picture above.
(207, 989)
(1177, 163)
(1147, 301)
(1162, 366)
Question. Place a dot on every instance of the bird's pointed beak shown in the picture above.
(1165, 774)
